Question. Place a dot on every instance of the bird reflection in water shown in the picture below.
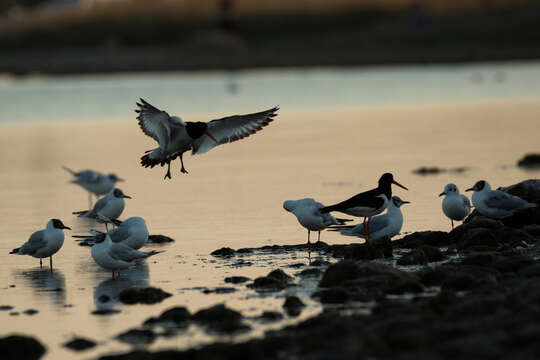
(45, 282)
(106, 292)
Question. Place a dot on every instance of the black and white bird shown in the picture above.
(175, 136)
(368, 203)
(117, 256)
(455, 206)
(132, 232)
(495, 203)
(44, 243)
(307, 212)
(107, 208)
(387, 224)
(94, 182)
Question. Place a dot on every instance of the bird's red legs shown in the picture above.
(452, 223)
(40, 263)
(319, 237)
(183, 169)
(50, 258)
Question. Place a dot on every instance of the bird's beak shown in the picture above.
(66, 227)
(470, 189)
(210, 135)
(443, 193)
(405, 202)
(120, 180)
(398, 184)
(126, 197)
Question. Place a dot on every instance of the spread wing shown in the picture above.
(232, 128)
(154, 123)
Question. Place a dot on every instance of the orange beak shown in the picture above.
(210, 135)
(398, 184)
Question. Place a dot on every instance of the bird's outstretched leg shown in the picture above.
(308, 232)
(183, 169)
(452, 221)
(50, 258)
(168, 174)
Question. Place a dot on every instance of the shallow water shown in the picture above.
(336, 132)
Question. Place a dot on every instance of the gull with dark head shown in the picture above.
(307, 212)
(368, 203)
(455, 206)
(495, 203)
(107, 208)
(44, 243)
(388, 224)
(175, 137)
(131, 232)
(117, 256)
(94, 182)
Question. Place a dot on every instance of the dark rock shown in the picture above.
(30, 312)
(105, 312)
(334, 295)
(532, 270)
(80, 344)
(244, 251)
(280, 275)
(424, 170)
(432, 253)
(219, 290)
(311, 272)
(528, 190)
(137, 337)
(477, 238)
(14, 313)
(223, 252)
(415, 257)
(268, 283)
(403, 286)
(432, 277)
(296, 266)
(533, 230)
(6, 307)
(459, 282)
(319, 262)
(271, 316)
(480, 259)
(236, 279)
(420, 238)
(530, 161)
(147, 295)
(220, 319)
(17, 347)
(513, 237)
(178, 314)
(339, 272)
(358, 252)
(159, 239)
(293, 306)
(513, 263)
(444, 300)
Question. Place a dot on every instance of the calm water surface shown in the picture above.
(336, 132)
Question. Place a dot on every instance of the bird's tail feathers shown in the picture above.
(327, 209)
(342, 221)
(154, 252)
(80, 213)
(15, 251)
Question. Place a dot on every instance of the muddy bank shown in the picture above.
(469, 293)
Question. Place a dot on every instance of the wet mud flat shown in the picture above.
(468, 293)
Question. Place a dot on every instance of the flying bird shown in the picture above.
(455, 206)
(117, 256)
(368, 203)
(495, 203)
(94, 182)
(307, 212)
(387, 224)
(174, 136)
(44, 243)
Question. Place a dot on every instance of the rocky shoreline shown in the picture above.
(469, 293)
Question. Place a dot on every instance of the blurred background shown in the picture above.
(70, 36)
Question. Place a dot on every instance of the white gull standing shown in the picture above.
(495, 203)
(131, 232)
(388, 224)
(44, 243)
(117, 256)
(455, 206)
(94, 182)
(307, 211)
(176, 137)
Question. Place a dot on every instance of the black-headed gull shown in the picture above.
(495, 203)
(107, 208)
(307, 211)
(388, 224)
(117, 256)
(94, 182)
(176, 137)
(131, 232)
(368, 203)
(455, 206)
(44, 243)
